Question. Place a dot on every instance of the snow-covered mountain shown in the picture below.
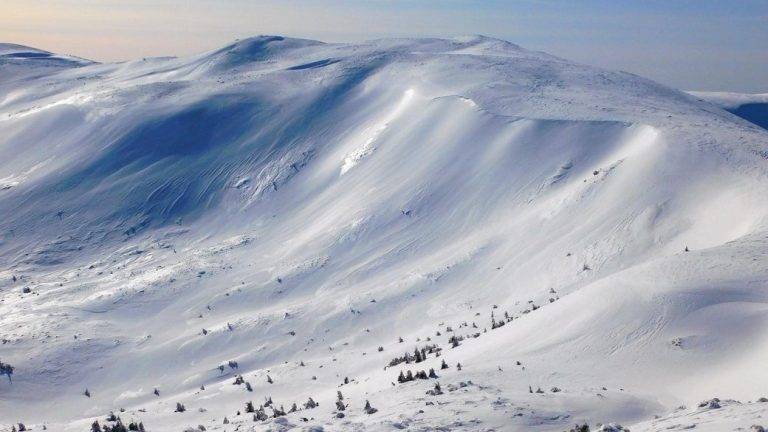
(314, 211)
(751, 107)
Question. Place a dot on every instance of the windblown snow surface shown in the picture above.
(751, 107)
(299, 207)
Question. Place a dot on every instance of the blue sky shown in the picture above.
(697, 45)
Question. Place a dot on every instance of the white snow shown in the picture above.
(281, 201)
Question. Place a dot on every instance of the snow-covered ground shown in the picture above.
(315, 211)
(751, 107)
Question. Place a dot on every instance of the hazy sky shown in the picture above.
(689, 44)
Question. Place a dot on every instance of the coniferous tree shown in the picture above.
(368, 408)
(401, 378)
(6, 369)
(454, 341)
(278, 412)
(260, 415)
(310, 404)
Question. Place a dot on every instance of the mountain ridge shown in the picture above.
(311, 202)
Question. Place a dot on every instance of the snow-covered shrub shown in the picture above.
(612, 427)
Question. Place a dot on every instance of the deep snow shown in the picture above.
(751, 107)
(280, 201)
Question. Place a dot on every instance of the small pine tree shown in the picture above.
(444, 365)
(180, 408)
(87, 393)
(269, 379)
(368, 408)
(6, 369)
(249, 407)
(454, 341)
(260, 415)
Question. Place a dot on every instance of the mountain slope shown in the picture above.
(750, 107)
(280, 201)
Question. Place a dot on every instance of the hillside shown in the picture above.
(284, 202)
(750, 107)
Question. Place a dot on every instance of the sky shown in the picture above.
(688, 44)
